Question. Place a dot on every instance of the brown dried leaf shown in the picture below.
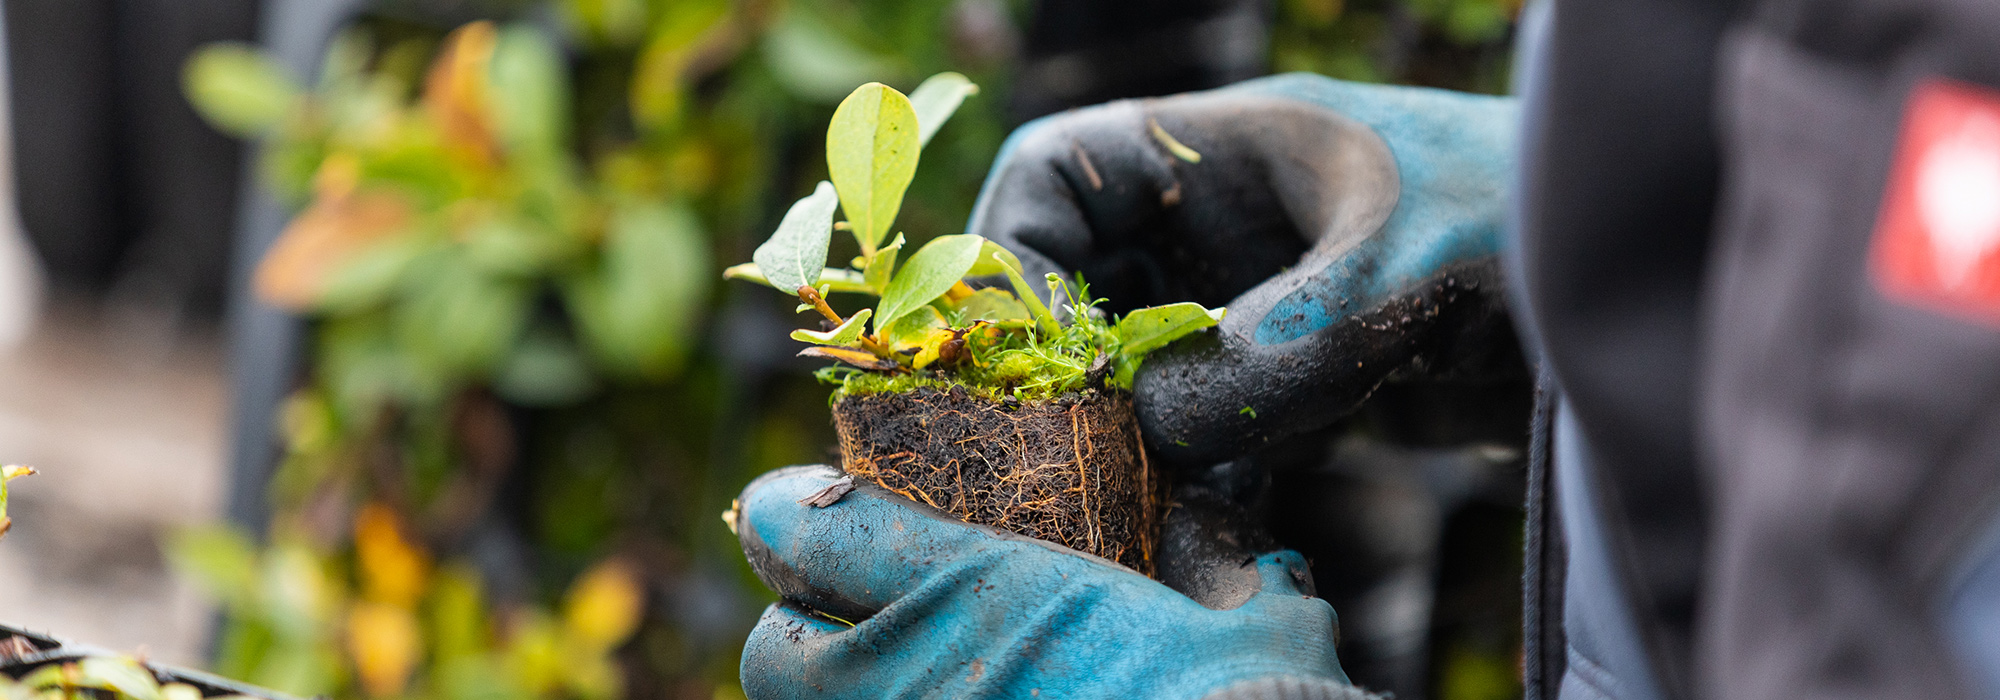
(456, 91)
(831, 494)
(295, 273)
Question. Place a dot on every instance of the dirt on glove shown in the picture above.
(1069, 470)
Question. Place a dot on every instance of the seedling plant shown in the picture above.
(929, 327)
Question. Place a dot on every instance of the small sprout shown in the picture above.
(1174, 146)
(1248, 411)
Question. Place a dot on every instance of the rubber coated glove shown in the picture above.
(1352, 230)
(942, 608)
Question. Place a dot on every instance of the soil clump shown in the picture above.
(1069, 470)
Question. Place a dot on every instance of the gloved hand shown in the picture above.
(1352, 230)
(941, 608)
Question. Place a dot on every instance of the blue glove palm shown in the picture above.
(946, 609)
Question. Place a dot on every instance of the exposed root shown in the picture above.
(1069, 470)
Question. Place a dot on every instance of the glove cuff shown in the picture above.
(1291, 688)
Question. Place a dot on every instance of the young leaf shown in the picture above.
(882, 264)
(848, 332)
(936, 99)
(796, 253)
(935, 268)
(1149, 329)
(871, 154)
(858, 358)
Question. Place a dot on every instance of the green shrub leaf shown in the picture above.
(532, 97)
(932, 270)
(882, 265)
(238, 89)
(637, 311)
(796, 253)
(871, 153)
(1149, 329)
(936, 99)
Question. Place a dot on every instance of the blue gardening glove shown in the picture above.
(945, 609)
(1352, 230)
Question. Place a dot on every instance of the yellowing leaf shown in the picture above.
(848, 332)
(301, 265)
(933, 344)
(604, 605)
(393, 571)
(871, 155)
(456, 91)
(858, 358)
(385, 644)
(9, 473)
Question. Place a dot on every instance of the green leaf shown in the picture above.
(882, 264)
(797, 251)
(935, 268)
(531, 93)
(833, 279)
(545, 369)
(871, 154)
(1007, 263)
(848, 331)
(991, 304)
(373, 275)
(1149, 329)
(638, 310)
(220, 559)
(238, 89)
(936, 99)
(813, 60)
(994, 260)
(459, 320)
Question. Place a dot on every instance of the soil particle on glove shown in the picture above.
(1067, 470)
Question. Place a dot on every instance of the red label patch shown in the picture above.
(1939, 232)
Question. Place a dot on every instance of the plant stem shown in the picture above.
(868, 342)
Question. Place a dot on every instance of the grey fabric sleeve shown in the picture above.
(1292, 688)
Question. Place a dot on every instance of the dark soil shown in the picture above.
(1068, 470)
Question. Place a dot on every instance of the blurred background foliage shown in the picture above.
(529, 393)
